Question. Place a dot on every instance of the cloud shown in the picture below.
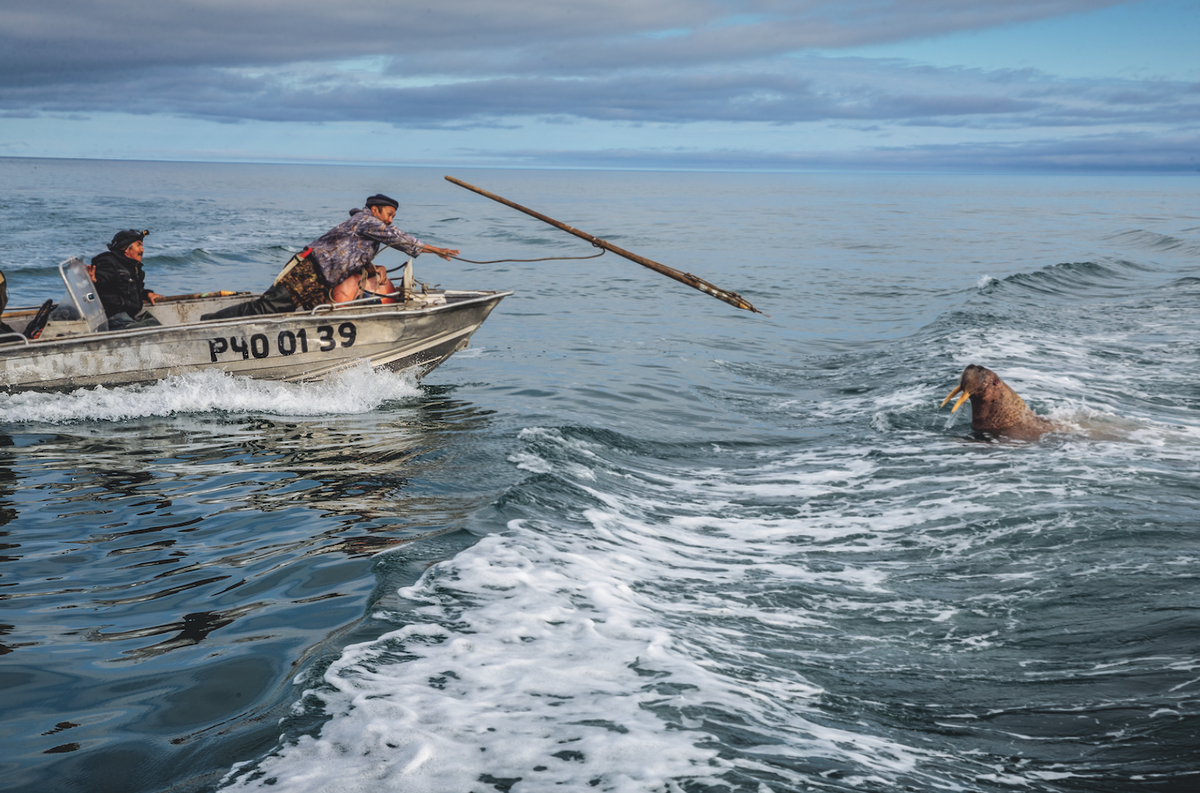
(462, 65)
(801, 90)
(66, 40)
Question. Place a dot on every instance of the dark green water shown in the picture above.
(632, 539)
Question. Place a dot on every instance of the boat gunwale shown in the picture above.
(368, 312)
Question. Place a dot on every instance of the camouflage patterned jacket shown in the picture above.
(348, 247)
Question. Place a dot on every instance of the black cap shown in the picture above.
(123, 239)
(380, 200)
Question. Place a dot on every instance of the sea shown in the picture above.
(632, 538)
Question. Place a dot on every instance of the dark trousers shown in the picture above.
(122, 321)
(276, 300)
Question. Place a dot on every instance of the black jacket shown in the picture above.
(120, 283)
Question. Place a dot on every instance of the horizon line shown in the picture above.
(949, 170)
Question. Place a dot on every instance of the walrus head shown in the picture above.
(995, 408)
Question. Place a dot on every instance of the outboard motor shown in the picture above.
(82, 293)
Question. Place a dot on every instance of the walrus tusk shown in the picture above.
(965, 396)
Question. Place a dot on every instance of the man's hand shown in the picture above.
(153, 296)
(445, 253)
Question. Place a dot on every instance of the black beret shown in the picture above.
(123, 239)
(380, 200)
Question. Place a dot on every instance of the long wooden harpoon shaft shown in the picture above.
(732, 298)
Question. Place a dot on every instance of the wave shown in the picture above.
(1150, 240)
(265, 255)
(356, 389)
(1074, 279)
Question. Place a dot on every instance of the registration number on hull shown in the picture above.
(287, 342)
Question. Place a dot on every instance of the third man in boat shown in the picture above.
(337, 267)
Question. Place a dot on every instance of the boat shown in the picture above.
(77, 350)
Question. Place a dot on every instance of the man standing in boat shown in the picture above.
(121, 282)
(337, 267)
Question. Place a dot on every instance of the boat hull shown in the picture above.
(293, 347)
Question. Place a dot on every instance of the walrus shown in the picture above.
(995, 408)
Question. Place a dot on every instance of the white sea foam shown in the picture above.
(356, 389)
(529, 639)
(605, 655)
(526, 645)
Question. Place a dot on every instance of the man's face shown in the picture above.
(386, 214)
(135, 251)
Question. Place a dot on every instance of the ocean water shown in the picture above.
(632, 539)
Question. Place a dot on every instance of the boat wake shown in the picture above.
(357, 389)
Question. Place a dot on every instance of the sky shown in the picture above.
(760, 85)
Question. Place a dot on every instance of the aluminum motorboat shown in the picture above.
(76, 349)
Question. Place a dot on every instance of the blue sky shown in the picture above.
(956, 85)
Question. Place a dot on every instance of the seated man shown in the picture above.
(121, 282)
(337, 268)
